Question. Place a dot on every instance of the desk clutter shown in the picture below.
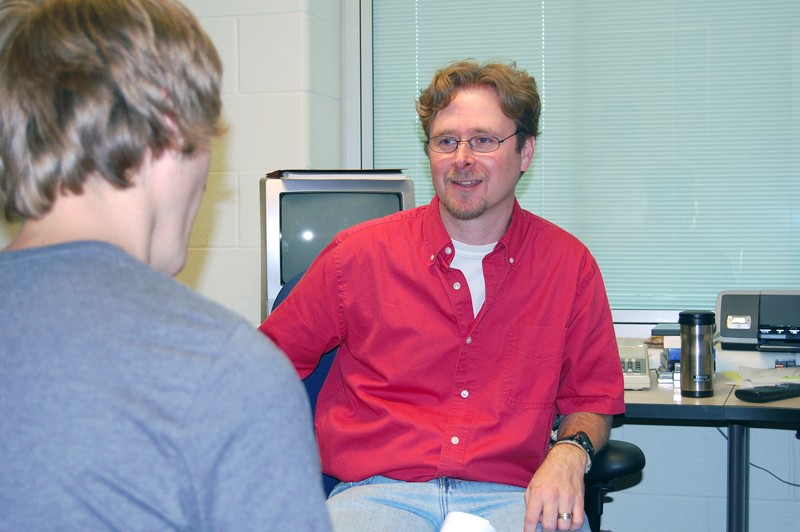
(755, 385)
(687, 345)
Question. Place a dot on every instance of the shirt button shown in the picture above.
(457, 286)
(448, 250)
(454, 440)
(511, 260)
(469, 339)
(464, 394)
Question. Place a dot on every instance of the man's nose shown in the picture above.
(463, 154)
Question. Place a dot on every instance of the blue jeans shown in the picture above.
(380, 503)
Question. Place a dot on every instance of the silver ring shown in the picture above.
(565, 516)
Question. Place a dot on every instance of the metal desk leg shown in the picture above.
(738, 477)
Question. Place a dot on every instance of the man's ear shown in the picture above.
(527, 154)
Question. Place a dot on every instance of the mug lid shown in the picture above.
(696, 317)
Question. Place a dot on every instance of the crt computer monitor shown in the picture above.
(301, 215)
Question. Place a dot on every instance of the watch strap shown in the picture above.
(581, 441)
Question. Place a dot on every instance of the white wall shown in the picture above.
(282, 103)
(7, 231)
(684, 483)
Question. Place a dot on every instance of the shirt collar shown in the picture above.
(437, 239)
(514, 237)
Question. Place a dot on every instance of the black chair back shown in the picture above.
(314, 381)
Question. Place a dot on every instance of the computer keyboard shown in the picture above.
(772, 392)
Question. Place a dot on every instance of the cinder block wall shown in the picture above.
(282, 104)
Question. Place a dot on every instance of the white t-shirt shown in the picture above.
(469, 259)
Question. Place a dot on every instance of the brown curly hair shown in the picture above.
(519, 98)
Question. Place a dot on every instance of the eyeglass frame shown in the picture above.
(468, 141)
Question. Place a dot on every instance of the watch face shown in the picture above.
(584, 440)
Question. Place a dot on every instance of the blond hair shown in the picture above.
(87, 86)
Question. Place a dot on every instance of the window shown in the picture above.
(670, 130)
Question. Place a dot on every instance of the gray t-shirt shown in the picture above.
(130, 402)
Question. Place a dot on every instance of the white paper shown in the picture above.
(464, 522)
(760, 376)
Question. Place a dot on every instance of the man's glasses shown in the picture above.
(478, 143)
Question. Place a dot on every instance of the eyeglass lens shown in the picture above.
(478, 143)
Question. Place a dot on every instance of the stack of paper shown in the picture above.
(749, 377)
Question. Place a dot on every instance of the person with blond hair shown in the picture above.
(127, 400)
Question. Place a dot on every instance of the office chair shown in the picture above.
(616, 460)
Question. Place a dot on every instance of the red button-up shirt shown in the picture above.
(420, 387)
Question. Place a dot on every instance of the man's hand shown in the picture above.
(557, 488)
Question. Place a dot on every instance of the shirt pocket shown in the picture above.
(532, 366)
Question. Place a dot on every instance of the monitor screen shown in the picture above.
(310, 220)
(301, 215)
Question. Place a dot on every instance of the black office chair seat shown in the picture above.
(617, 459)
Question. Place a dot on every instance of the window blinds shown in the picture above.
(670, 137)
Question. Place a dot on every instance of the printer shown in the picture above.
(763, 320)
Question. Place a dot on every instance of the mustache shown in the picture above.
(465, 175)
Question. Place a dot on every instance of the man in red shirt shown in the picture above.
(464, 328)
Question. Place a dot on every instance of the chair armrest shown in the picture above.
(616, 459)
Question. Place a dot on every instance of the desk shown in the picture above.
(665, 404)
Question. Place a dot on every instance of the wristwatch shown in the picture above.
(580, 439)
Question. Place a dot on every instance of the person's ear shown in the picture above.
(527, 154)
